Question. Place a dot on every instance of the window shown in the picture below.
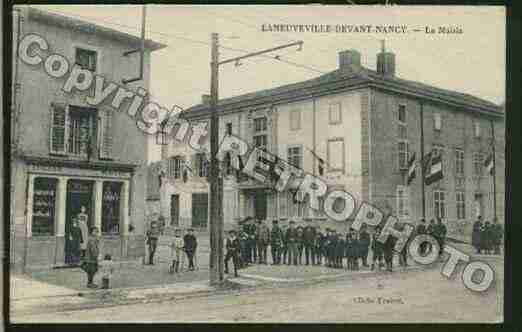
(401, 113)
(295, 156)
(229, 128)
(403, 132)
(336, 155)
(202, 165)
(44, 203)
(260, 124)
(437, 121)
(402, 201)
(439, 204)
(476, 128)
(477, 164)
(461, 205)
(111, 208)
(82, 131)
(295, 119)
(260, 141)
(174, 168)
(459, 162)
(403, 154)
(86, 59)
(334, 113)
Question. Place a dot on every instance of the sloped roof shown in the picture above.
(74, 23)
(341, 80)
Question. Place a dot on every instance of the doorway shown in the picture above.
(260, 204)
(174, 210)
(79, 193)
(199, 210)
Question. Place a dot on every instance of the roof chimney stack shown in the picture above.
(205, 99)
(385, 62)
(349, 60)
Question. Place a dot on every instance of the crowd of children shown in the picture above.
(309, 245)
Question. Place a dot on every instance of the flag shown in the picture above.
(320, 162)
(489, 164)
(434, 172)
(411, 169)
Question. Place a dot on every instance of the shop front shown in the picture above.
(57, 195)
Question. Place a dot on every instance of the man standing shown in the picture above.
(476, 234)
(251, 231)
(191, 245)
(421, 230)
(232, 246)
(243, 245)
(364, 243)
(319, 243)
(152, 240)
(377, 248)
(431, 230)
(486, 238)
(498, 233)
(262, 239)
(440, 234)
(291, 243)
(309, 236)
(276, 243)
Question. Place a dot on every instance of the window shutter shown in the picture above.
(58, 135)
(106, 134)
(195, 165)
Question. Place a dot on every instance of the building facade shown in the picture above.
(356, 129)
(68, 155)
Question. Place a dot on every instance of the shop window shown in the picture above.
(111, 208)
(44, 206)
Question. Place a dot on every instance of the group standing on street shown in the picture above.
(308, 245)
(487, 237)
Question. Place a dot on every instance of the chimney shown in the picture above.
(385, 62)
(349, 60)
(205, 99)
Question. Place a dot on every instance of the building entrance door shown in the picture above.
(260, 204)
(199, 210)
(79, 194)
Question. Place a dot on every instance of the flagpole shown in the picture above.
(422, 159)
(494, 171)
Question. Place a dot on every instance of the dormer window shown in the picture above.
(86, 59)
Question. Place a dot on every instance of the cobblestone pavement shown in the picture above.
(407, 296)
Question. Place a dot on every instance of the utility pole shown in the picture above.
(494, 175)
(216, 179)
(216, 205)
(422, 159)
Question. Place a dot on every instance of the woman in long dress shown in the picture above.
(72, 244)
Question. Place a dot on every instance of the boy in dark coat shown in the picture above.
(364, 245)
(476, 234)
(232, 245)
(191, 244)
(319, 246)
(421, 230)
(377, 248)
(340, 250)
(498, 232)
(300, 244)
(388, 252)
(276, 242)
(90, 260)
(350, 251)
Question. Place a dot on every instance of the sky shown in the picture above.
(471, 62)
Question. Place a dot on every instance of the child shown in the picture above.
(107, 269)
(377, 249)
(350, 251)
(177, 248)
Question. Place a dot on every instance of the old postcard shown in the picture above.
(312, 163)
